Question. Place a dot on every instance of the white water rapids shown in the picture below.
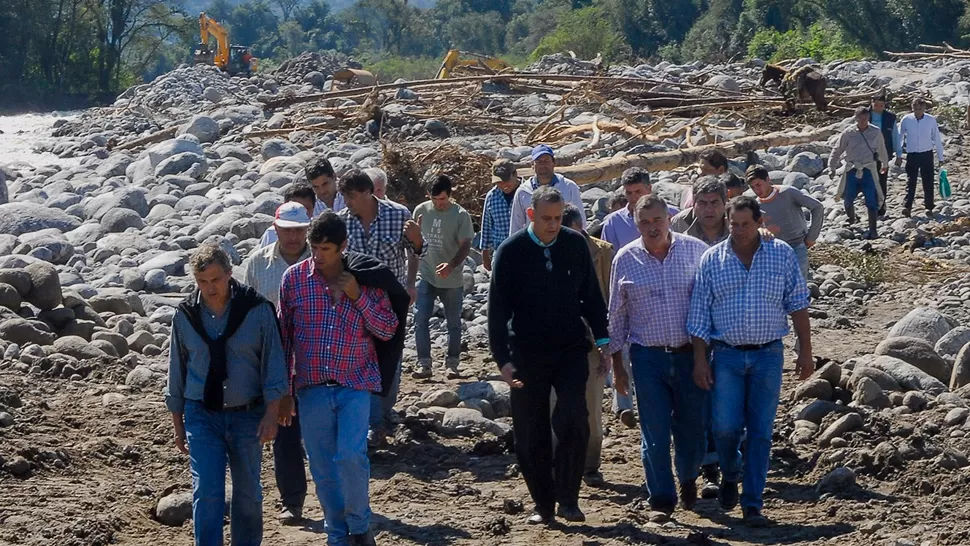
(22, 133)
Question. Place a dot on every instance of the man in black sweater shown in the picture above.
(543, 286)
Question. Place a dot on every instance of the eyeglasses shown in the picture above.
(548, 256)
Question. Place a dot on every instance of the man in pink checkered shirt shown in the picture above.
(329, 323)
(650, 291)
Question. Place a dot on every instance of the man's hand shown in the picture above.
(605, 359)
(702, 374)
(179, 423)
(621, 381)
(487, 260)
(899, 161)
(348, 285)
(766, 234)
(268, 427)
(287, 411)
(804, 365)
(412, 230)
(884, 170)
(413, 292)
(809, 244)
(508, 371)
(444, 270)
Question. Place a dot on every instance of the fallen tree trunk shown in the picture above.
(150, 139)
(607, 169)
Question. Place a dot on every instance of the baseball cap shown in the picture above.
(291, 215)
(502, 169)
(542, 150)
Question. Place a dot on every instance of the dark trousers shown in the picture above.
(288, 458)
(884, 184)
(552, 478)
(919, 165)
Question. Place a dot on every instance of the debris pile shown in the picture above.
(312, 67)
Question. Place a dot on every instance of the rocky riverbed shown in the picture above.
(94, 241)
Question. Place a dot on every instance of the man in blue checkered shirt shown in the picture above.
(498, 209)
(384, 230)
(744, 290)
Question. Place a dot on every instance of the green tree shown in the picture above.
(586, 32)
(713, 37)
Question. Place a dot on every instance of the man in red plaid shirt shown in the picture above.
(329, 323)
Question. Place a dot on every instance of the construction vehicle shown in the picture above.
(350, 78)
(454, 66)
(234, 59)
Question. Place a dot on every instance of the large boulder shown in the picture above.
(724, 83)
(171, 262)
(23, 217)
(45, 287)
(175, 146)
(470, 421)
(908, 376)
(119, 220)
(174, 509)
(809, 163)
(918, 353)
(77, 347)
(23, 332)
(201, 127)
(277, 147)
(881, 378)
(923, 323)
(187, 163)
(954, 340)
(115, 165)
(961, 369)
(108, 303)
(10, 297)
(228, 170)
(17, 278)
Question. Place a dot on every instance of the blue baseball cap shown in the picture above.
(542, 150)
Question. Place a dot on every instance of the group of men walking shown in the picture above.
(685, 307)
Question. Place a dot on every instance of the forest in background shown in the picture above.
(55, 53)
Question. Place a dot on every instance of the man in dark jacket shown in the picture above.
(543, 287)
(886, 122)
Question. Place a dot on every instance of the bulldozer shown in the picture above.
(454, 66)
(234, 59)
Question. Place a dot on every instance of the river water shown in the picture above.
(22, 133)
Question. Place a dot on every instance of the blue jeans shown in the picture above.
(216, 438)
(747, 385)
(801, 252)
(866, 185)
(334, 425)
(669, 401)
(382, 406)
(451, 299)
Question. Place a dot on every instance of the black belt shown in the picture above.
(747, 347)
(330, 383)
(675, 350)
(251, 405)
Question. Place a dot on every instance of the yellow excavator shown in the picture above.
(454, 66)
(234, 59)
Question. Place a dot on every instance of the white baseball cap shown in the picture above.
(292, 215)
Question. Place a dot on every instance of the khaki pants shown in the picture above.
(594, 407)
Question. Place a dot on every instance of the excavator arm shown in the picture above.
(209, 27)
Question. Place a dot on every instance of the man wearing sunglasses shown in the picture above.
(543, 287)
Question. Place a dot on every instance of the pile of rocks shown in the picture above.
(313, 67)
(559, 63)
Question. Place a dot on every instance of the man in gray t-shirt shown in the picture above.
(783, 208)
(447, 231)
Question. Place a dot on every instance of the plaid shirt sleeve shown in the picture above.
(488, 225)
(619, 326)
(699, 322)
(285, 313)
(797, 295)
(379, 317)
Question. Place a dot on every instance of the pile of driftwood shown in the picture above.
(932, 53)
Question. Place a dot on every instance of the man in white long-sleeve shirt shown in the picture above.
(544, 165)
(920, 134)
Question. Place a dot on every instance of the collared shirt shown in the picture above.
(385, 239)
(329, 340)
(265, 268)
(740, 306)
(338, 205)
(620, 227)
(254, 359)
(523, 200)
(920, 135)
(495, 219)
(876, 118)
(858, 147)
(650, 298)
(685, 222)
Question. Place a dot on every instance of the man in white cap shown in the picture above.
(544, 166)
(264, 272)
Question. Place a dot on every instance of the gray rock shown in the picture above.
(868, 393)
(839, 480)
(816, 411)
(174, 509)
(809, 163)
(797, 180)
(16, 278)
(814, 388)
(171, 262)
(23, 217)
(954, 340)
(315, 78)
(45, 291)
(956, 416)
(201, 127)
(113, 399)
(724, 83)
(6, 420)
(9, 297)
(140, 377)
(155, 279)
(23, 332)
(909, 376)
(117, 341)
(529, 105)
(277, 147)
(439, 398)
(915, 400)
(77, 347)
(139, 340)
(922, 323)
(830, 372)
(115, 165)
(469, 421)
(119, 220)
(961, 369)
(846, 423)
(228, 170)
(18, 466)
(883, 379)
(170, 148)
(187, 163)
(918, 353)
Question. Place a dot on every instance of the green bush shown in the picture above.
(819, 41)
(586, 32)
(388, 69)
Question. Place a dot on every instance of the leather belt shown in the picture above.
(748, 347)
(251, 405)
(674, 350)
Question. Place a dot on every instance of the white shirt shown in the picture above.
(921, 135)
(523, 200)
(265, 268)
(338, 205)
